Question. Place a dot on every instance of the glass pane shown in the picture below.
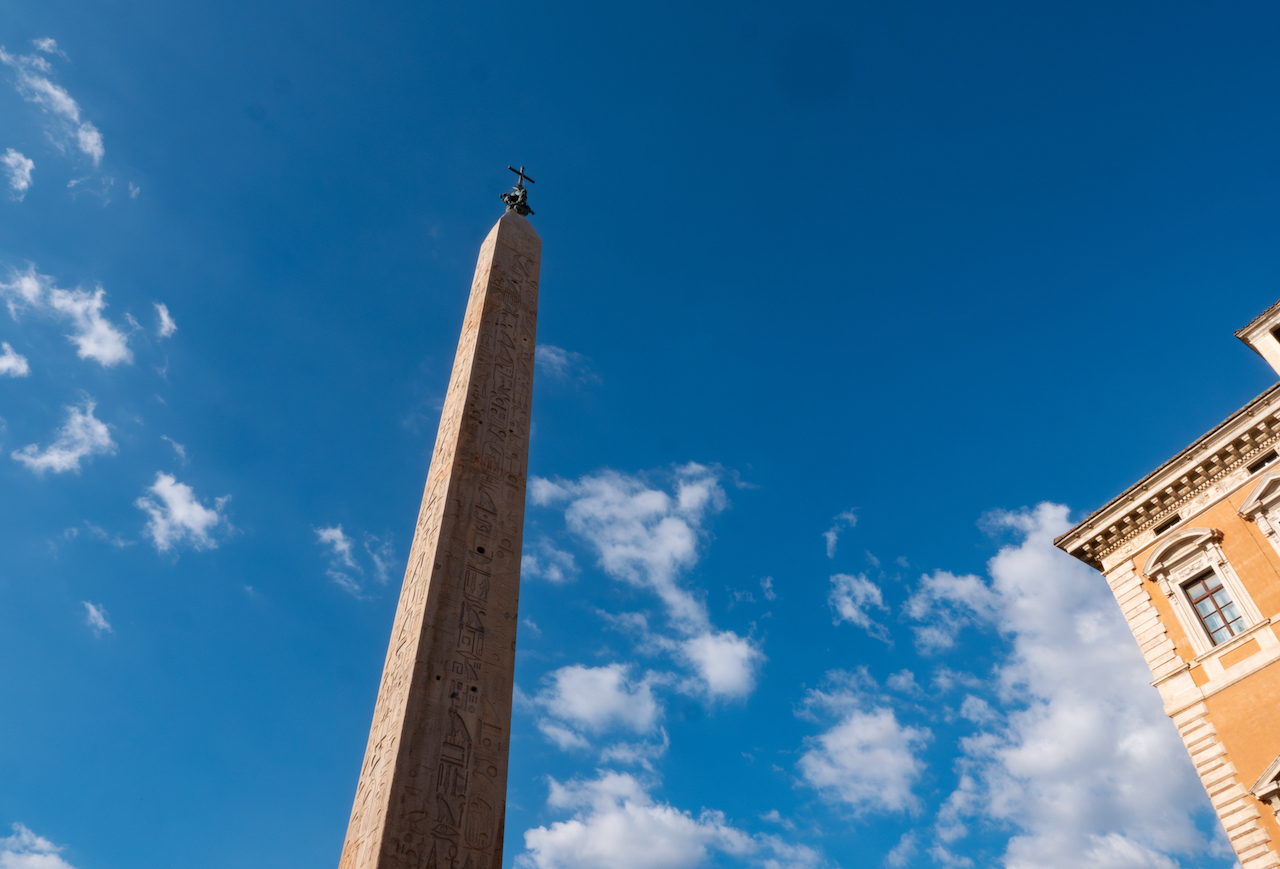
(1221, 634)
(1213, 621)
(1205, 607)
(1195, 589)
(1221, 598)
(1231, 613)
(1212, 582)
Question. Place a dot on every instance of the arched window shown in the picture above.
(1207, 595)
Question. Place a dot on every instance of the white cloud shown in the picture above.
(178, 448)
(134, 190)
(549, 563)
(725, 662)
(339, 544)
(1083, 730)
(946, 603)
(560, 364)
(342, 562)
(177, 516)
(382, 554)
(12, 363)
(95, 337)
(642, 535)
(616, 824)
(48, 46)
(25, 850)
(766, 587)
(96, 618)
(648, 538)
(839, 523)
(344, 567)
(165, 325)
(901, 853)
(19, 168)
(868, 759)
(850, 598)
(597, 699)
(34, 85)
(81, 436)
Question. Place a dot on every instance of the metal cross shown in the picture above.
(523, 177)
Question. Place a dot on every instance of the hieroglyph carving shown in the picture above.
(432, 791)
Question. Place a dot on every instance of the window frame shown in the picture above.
(1210, 595)
(1179, 561)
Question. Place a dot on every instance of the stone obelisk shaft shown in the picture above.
(432, 791)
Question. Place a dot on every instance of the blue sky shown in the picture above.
(846, 312)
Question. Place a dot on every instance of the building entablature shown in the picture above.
(1214, 466)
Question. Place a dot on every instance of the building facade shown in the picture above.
(1192, 554)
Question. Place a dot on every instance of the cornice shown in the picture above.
(1242, 333)
(1215, 464)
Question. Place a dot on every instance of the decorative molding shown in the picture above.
(1267, 787)
(1184, 556)
(1262, 508)
(1211, 468)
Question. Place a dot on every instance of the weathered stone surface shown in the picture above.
(432, 790)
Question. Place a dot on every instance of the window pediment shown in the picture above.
(1264, 495)
(1179, 549)
(1267, 788)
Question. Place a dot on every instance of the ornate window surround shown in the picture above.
(1262, 508)
(1267, 788)
(1180, 559)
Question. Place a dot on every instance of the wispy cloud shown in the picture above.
(852, 597)
(12, 363)
(81, 436)
(545, 561)
(766, 588)
(19, 168)
(945, 604)
(344, 568)
(96, 618)
(165, 326)
(34, 84)
(839, 523)
(649, 538)
(560, 364)
(94, 336)
(179, 449)
(25, 850)
(49, 46)
(176, 516)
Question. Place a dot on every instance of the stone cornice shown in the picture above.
(1211, 467)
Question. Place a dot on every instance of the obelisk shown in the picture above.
(432, 790)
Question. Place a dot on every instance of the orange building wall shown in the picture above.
(1245, 715)
(1245, 546)
(1247, 718)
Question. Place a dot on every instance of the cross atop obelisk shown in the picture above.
(432, 790)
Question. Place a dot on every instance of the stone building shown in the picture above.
(1192, 554)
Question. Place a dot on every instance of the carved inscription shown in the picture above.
(432, 789)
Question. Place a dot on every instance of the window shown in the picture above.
(1263, 461)
(1211, 604)
(1220, 617)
